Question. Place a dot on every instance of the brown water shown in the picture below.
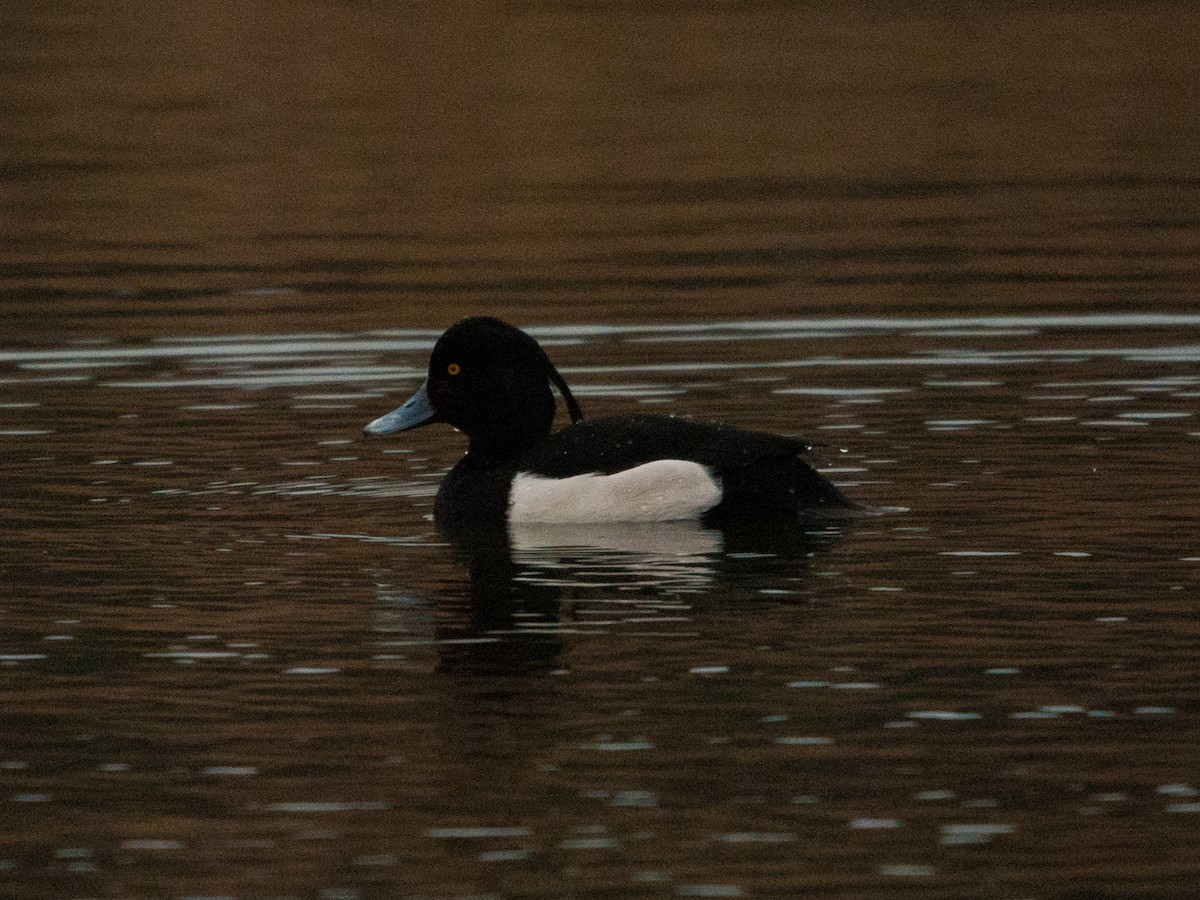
(956, 246)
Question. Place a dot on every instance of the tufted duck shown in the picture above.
(492, 382)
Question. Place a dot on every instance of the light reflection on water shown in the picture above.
(263, 667)
(954, 247)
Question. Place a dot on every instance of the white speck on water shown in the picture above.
(979, 553)
(898, 870)
(504, 855)
(1154, 415)
(756, 837)
(218, 407)
(802, 741)
(635, 799)
(841, 392)
(960, 382)
(651, 877)
(311, 670)
(708, 670)
(972, 833)
(618, 746)
(597, 843)
(1154, 711)
(874, 824)
(808, 684)
(304, 806)
(955, 424)
(942, 715)
(708, 890)
(1176, 790)
(934, 795)
(1003, 670)
(152, 845)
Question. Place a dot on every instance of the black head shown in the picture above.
(492, 382)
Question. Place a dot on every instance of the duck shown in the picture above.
(493, 382)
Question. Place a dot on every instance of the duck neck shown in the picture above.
(501, 448)
(505, 441)
(513, 421)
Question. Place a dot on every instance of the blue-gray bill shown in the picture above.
(415, 412)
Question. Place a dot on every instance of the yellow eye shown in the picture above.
(453, 369)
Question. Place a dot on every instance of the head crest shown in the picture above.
(559, 382)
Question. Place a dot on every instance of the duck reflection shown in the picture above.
(531, 589)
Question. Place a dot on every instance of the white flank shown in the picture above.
(665, 490)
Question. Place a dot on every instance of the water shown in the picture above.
(955, 250)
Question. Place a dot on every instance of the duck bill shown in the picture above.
(413, 414)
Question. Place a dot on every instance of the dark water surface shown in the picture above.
(956, 248)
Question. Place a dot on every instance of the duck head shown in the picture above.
(492, 382)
